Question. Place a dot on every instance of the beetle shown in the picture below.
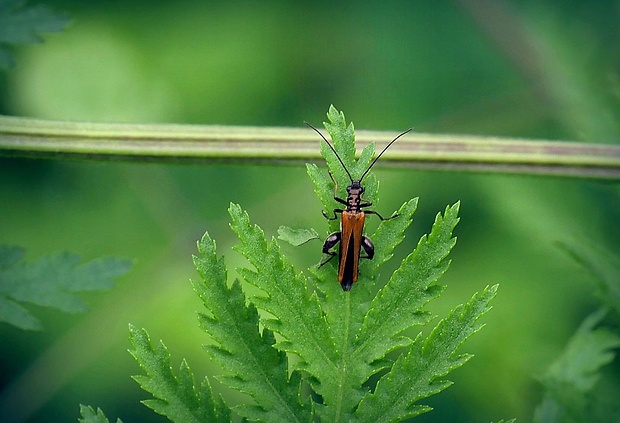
(351, 235)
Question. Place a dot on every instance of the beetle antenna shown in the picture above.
(383, 151)
(333, 149)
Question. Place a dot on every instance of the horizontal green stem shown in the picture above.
(25, 137)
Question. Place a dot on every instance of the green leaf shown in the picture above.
(340, 338)
(367, 326)
(417, 374)
(362, 354)
(588, 350)
(89, 415)
(252, 363)
(296, 237)
(299, 316)
(343, 137)
(571, 378)
(603, 265)
(397, 306)
(389, 233)
(345, 313)
(22, 24)
(176, 396)
(53, 281)
(570, 383)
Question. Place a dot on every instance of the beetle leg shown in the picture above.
(338, 199)
(368, 247)
(332, 218)
(330, 242)
(365, 203)
(379, 216)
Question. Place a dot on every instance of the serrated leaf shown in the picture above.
(359, 362)
(365, 326)
(343, 138)
(300, 319)
(417, 374)
(570, 382)
(573, 375)
(398, 305)
(339, 337)
(175, 395)
(587, 351)
(296, 237)
(603, 265)
(22, 24)
(53, 281)
(89, 415)
(345, 314)
(251, 362)
(389, 233)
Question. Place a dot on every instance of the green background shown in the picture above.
(536, 69)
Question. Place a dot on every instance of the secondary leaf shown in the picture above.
(588, 350)
(52, 281)
(570, 382)
(571, 378)
(417, 374)
(604, 266)
(398, 305)
(89, 415)
(22, 24)
(296, 237)
(176, 396)
(252, 364)
(299, 316)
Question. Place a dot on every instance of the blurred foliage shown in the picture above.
(89, 415)
(538, 69)
(21, 23)
(570, 380)
(52, 281)
(573, 388)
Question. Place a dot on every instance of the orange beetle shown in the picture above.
(350, 236)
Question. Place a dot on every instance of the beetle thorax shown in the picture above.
(354, 196)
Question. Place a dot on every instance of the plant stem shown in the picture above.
(24, 137)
